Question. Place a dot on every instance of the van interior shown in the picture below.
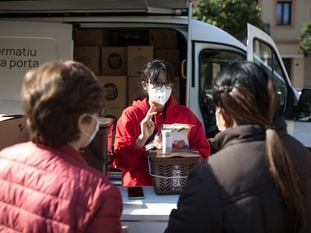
(117, 57)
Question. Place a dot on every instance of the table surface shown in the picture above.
(153, 207)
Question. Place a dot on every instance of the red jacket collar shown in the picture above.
(66, 152)
(74, 155)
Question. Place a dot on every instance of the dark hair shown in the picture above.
(54, 96)
(245, 91)
(153, 69)
(151, 73)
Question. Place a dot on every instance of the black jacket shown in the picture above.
(233, 191)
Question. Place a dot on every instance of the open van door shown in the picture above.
(25, 45)
(262, 50)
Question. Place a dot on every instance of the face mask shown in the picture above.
(161, 95)
(92, 136)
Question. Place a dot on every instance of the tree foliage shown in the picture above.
(230, 15)
(305, 38)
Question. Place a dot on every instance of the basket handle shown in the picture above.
(163, 177)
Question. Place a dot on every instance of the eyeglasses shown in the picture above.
(159, 85)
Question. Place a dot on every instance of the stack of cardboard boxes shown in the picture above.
(114, 79)
(165, 47)
(119, 66)
(138, 57)
(88, 44)
(93, 47)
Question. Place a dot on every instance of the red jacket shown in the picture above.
(49, 190)
(130, 159)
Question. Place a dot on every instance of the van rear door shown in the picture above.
(262, 50)
(25, 45)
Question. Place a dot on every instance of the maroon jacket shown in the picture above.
(130, 159)
(53, 190)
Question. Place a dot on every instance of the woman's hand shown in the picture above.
(147, 127)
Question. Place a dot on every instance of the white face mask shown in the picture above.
(161, 95)
(92, 136)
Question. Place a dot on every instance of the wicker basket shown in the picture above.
(170, 171)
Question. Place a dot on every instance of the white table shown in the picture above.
(149, 214)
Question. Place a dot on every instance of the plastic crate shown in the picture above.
(170, 171)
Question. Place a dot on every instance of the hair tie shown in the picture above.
(270, 127)
(225, 89)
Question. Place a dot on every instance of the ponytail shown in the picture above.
(246, 91)
(286, 179)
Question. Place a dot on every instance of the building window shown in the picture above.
(284, 12)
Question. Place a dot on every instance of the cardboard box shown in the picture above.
(115, 90)
(93, 37)
(163, 38)
(134, 88)
(137, 58)
(134, 36)
(177, 134)
(171, 56)
(114, 61)
(12, 130)
(108, 37)
(89, 56)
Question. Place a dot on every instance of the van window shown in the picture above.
(211, 62)
(264, 56)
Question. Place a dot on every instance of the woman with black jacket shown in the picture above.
(259, 180)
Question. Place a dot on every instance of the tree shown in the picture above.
(230, 15)
(305, 38)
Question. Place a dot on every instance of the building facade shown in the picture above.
(284, 20)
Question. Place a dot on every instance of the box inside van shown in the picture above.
(118, 57)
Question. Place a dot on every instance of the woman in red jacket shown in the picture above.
(46, 185)
(143, 119)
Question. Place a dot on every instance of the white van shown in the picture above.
(33, 32)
